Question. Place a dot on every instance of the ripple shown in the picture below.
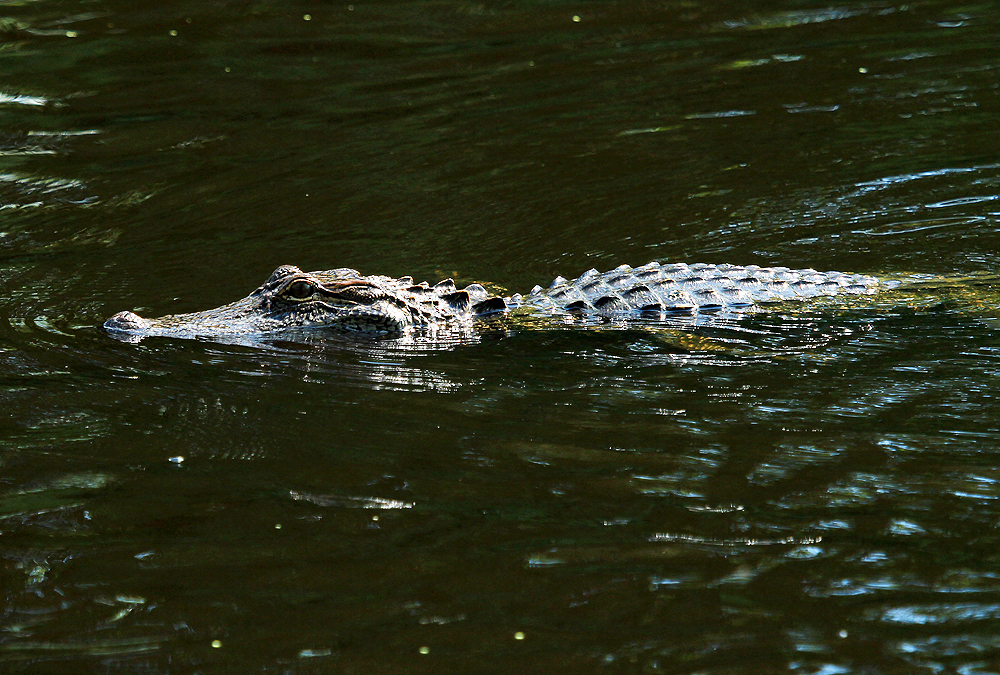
(350, 502)
(22, 99)
(799, 18)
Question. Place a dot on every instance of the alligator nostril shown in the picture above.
(126, 321)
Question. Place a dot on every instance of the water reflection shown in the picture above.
(378, 363)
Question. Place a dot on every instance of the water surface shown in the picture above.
(813, 489)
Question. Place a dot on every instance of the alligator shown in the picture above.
(343, 299)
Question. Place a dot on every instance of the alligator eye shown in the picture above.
(300, 290)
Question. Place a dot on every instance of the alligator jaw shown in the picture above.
(231, 322)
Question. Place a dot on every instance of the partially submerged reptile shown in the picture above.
(343, 299)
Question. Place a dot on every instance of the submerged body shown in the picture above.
(343, 299)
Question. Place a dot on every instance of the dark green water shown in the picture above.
(811, 490)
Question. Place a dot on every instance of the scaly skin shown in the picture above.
(343, 299)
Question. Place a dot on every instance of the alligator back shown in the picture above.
(683, 288)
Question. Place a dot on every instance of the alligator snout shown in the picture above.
(127, 322)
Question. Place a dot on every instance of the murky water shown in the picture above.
(814, 489)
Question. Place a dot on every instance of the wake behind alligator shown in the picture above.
(343, 299)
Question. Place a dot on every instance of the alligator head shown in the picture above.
(339, 299)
